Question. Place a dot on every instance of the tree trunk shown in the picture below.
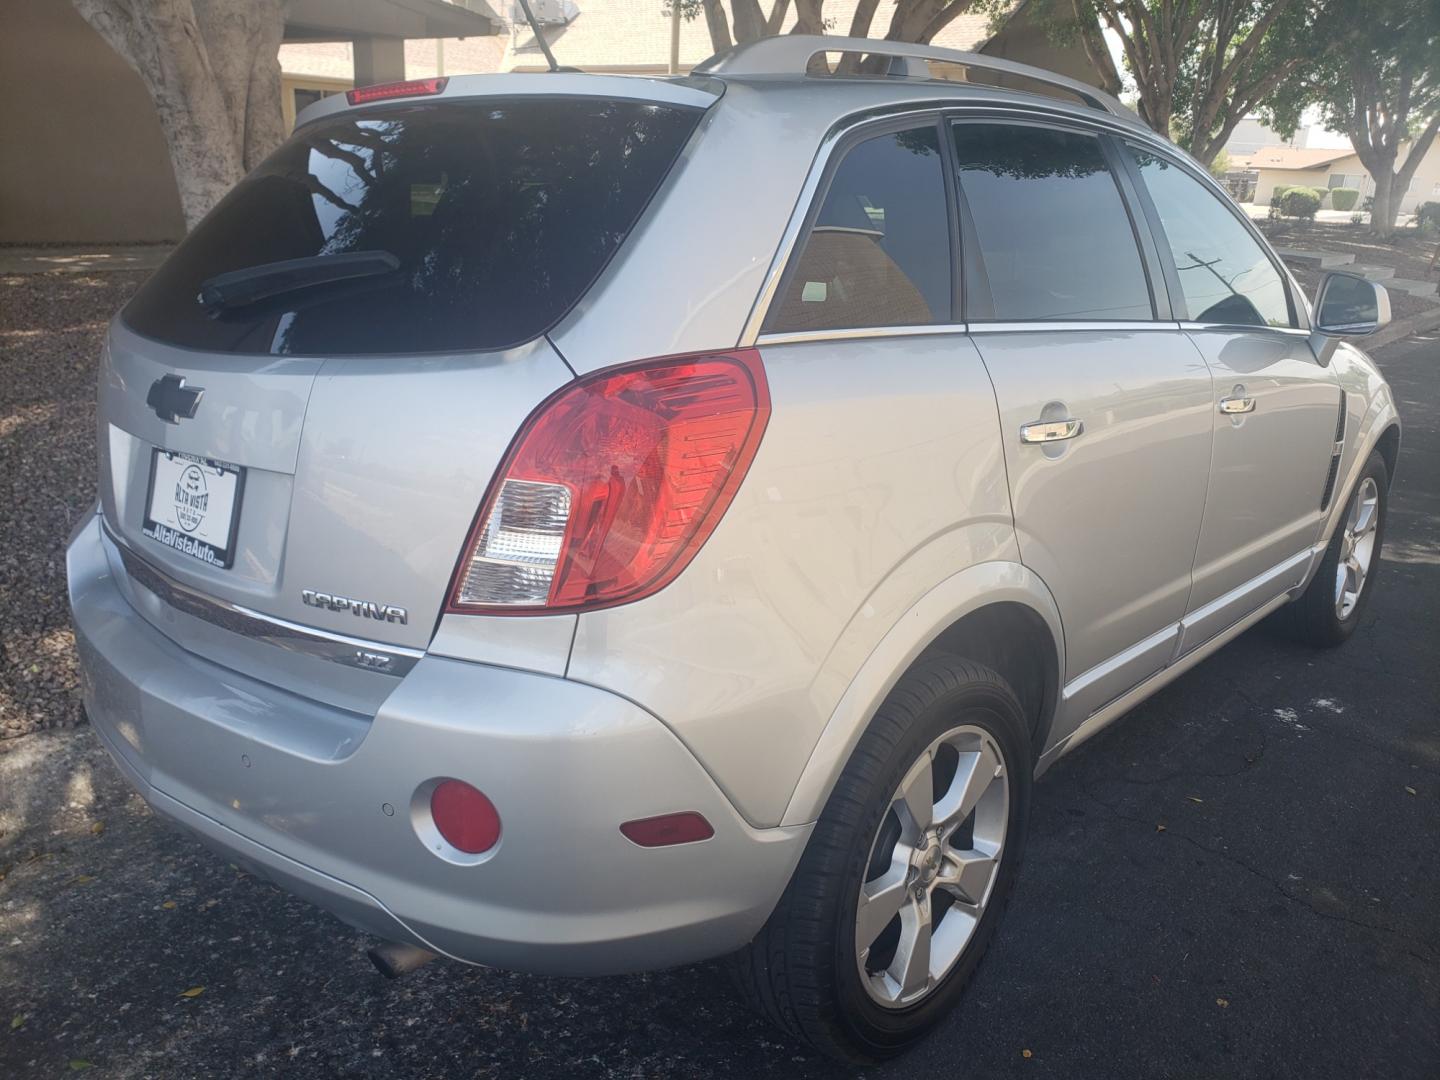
(718, 25)
(212, 70)
(749, 21)
(808, 17)
(1384, 207)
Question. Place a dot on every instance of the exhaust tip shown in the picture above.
(393, 959)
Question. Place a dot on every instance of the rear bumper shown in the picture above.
(324, 801)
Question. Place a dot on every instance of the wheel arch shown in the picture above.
(998, 613)
(1389, 446)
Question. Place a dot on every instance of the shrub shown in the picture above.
(1427, 217)
(1344, 198)
(1300, 202)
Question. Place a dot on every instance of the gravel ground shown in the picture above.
(51, 327)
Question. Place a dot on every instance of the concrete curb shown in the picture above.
(1415, 324)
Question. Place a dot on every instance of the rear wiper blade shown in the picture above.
(241, 287)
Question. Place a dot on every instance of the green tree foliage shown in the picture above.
(1199, 66)
(1380, 84)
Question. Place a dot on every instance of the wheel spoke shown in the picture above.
(973, 775)
(916, 801)
(911, 966)
(880, 900)
(1354, 575)
(1365, 518)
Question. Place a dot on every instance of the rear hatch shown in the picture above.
(302, 408)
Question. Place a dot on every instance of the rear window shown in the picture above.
(488, 219)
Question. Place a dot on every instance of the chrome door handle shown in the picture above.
(1232, 405)
(1040, 431)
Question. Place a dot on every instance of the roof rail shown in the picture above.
(791, 54)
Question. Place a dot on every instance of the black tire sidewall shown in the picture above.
(993, 707)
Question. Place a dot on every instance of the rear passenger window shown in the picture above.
(1055, 238)
(1225, 275)
(878, 253)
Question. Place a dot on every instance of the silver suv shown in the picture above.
(585, 524)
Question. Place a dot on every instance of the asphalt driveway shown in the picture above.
(1241, 879)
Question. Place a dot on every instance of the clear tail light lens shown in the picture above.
(613, 484)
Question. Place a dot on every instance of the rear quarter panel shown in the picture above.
(880, 475)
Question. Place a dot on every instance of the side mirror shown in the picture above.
(1350, 306)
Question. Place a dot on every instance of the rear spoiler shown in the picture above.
(694, 91)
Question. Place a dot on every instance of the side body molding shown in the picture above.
(961, 594)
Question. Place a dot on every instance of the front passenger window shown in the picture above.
(878, 253)
(1225, 275)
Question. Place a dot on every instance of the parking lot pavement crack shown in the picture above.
(1420, 949)
(1350, 738)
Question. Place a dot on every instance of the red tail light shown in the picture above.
(613, 485)
(362, 95)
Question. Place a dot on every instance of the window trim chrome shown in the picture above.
(1033, 326)
(1245, 328)
(794, 337)
(359, 653)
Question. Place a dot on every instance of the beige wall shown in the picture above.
(1425, 187)
(82, 159)
(1269, 179)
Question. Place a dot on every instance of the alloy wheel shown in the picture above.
(1357, 547)
(932, 866)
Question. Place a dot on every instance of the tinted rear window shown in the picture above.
(500, 212)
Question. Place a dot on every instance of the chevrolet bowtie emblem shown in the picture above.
(172, 400)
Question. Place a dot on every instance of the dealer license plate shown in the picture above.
(194, 506)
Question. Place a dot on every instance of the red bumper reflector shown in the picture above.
(411, 88)
(464, 816)
(685, 827)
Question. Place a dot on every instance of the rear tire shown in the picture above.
(1330, 608)
(951, 742)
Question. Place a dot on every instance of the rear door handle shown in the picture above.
(1230, 406)
(1042, 431)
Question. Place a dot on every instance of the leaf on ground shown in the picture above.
(82, 879)
(1224, 1003)
(1159, 828)
(168, 905)
(98, 828)
(15, 1023)
(1195, 798)
(193, 992)
(79, 1065)
(1411, 790)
